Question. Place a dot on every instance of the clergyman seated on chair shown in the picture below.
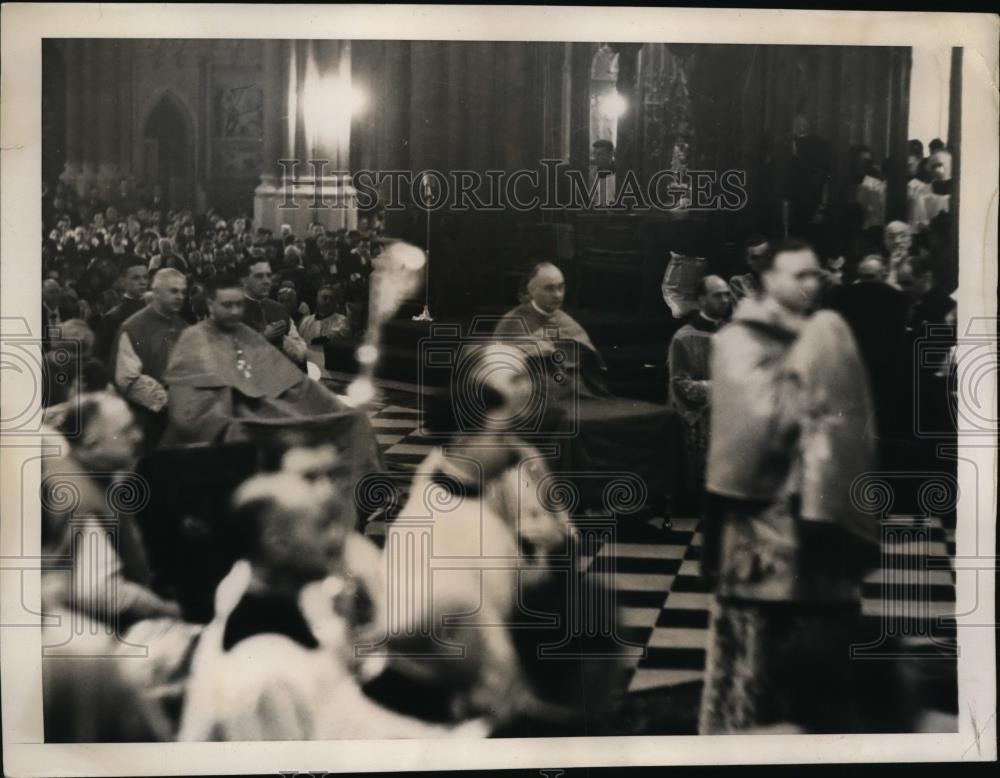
(611, 434)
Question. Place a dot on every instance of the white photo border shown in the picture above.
(25, 25)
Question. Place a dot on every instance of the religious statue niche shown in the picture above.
(667, 118)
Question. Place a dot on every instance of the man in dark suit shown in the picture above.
(932, 300)
(877, 314)
(294, 270)
(807, 178)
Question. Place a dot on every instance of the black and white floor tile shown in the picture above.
(664, 604)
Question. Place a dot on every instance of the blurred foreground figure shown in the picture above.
(87, 696)
(276, 663)
(791, 429)
(95, 562)
(95, 578)
(483, 495)
(358, 564)
(69, 367)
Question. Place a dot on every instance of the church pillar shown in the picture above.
(123, 111)
(556, 104)
(275, 122)
(87, 128)
(899, 118)
(579, 151)
(107, 117)
(74, 111)
(309, 101)
(626, 150)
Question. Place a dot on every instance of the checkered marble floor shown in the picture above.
(664, 604)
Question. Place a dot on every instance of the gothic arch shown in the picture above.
(168, 146)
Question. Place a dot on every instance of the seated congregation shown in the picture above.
(274, 600)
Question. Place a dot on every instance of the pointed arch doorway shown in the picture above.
(168, 151)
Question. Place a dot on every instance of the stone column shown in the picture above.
(312, 82)
(74, 111)
(555, 101)
(275, 132)
(87, 128)
(107, 117)
(123, 110)
(628, 124)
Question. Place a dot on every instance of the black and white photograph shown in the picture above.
(456, 387)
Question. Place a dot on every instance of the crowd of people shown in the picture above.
(793, 380)
(93, 251)
(169, 337)
(166, 329)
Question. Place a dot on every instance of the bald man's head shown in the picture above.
(169, 286)
(168, 276)
(872, 268)
(897, 237)
(715, 298)
(51, 292)
(546, 287)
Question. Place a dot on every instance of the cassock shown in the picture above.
(257, 314)
(877, 315)
(601, 436)
(113, 320)
(139, 359)
(790, 433)
(230, 386)
(808, 174)
(688, 360)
